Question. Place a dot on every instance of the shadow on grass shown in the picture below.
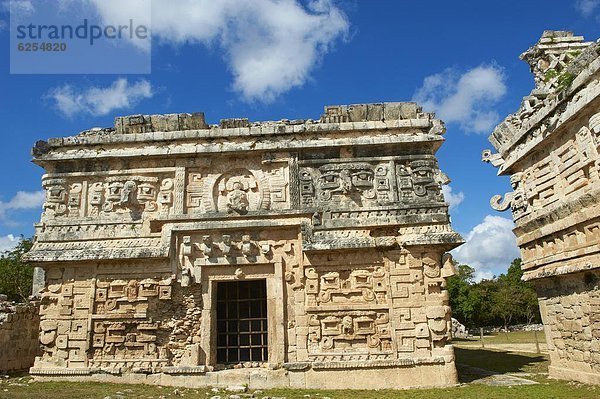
(456, 339)
(473, 363)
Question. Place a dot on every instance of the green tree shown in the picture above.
(16, 276)
(514, 272)
(466, 302)
(515, 300)
(529, 310)
(457, 286)
(484, 291)
(502, 300)
(506, 303)
(532, 307)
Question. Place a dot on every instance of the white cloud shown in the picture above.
(22, 200)
(587, 7)
(490, 247)
(466, 99)
(8, 242)
(100, 100)
(270, 46)
(453, 199)
(18, 7)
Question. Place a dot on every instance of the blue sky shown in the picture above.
(274, 59)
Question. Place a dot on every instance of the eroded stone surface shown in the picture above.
(343, 218)
(550, 149)
(19, 325)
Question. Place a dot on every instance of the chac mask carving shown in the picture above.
(133, 195)
(363, 184)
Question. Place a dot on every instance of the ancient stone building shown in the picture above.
(550, 148)
(295, 253)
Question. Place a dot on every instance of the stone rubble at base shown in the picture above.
(458, 329)
(550, 149)
(344, 218)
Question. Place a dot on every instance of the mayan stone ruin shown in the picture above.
(550, 149)
(19, 325)
(297, 253)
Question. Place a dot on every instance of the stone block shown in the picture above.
(357, 112)
(375, 112)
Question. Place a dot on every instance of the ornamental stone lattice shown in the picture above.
(295, 253)
(550, 148)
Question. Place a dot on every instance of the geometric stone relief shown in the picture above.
(135, 323)
(357, 331)
(568, 168)
(363, 312)
(350, 185)
(551, 61)
(345, 289)
(422, 328)
(239, 190)
(142, 328)
(580, 238)
(91, 230)
(194, 189)
(556, 59)
(134, 195)
(137, 193)
(420, 180)
(56, 197)
(229, 248)
(64, 310)
(278, 187)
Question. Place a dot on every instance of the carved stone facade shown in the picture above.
(551, 150)
(343, 219)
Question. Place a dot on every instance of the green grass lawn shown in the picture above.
(503, 362)
(547, 389)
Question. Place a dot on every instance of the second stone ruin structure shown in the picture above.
(550, 149)
(293, 254)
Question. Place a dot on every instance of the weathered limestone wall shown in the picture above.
(550, 148)
(571, 314)
(19, 324)
(343, 218)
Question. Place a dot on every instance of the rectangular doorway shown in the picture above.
(242, 321)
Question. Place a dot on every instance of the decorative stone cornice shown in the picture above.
(562, 65)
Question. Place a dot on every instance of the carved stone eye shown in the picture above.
(55, 192)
